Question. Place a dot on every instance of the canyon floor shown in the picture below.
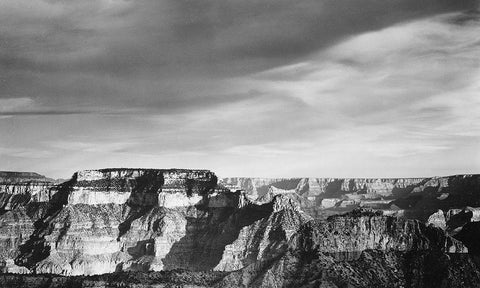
(189, 228)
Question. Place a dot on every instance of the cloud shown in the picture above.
(404, 92)
(403, 71)
(27, 153)
(14, 104)
(105, 53)
(266, 88)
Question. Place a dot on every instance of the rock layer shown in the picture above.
(143, 220)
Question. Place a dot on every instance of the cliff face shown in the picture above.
(373, 268)
(19, 188)
(363, 249)
(111, 220)
(354, 232)
(23, 195)
(417, 198)
(144, 220)
(96, 222)
(445, 193)
(324, 187)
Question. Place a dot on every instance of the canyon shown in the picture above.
(120, 227)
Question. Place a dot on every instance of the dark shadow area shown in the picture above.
(408, 202)
(334, 189)
(351, 185)
(462, 191)
(145, 247)
(470, 237)
(404, 192)
(175, 278)
(200, 187)
(35, 249)
(143, 197)
(36, 210)
(262, 190)
(134, 213)
(202, 247)
(12, 201)
(285, 184)
(459, 220)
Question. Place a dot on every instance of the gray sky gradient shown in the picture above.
(268, 88)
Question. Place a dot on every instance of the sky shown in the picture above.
(270, 88)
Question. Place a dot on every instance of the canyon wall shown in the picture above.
(416, 197)
(23, 198)
(18, 188)
(144, 220)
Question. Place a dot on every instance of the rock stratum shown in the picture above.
(188, 228)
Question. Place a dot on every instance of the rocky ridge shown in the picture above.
(144, 220)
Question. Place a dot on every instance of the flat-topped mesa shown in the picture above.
(141, 186)
(22, 177)
(28, 186)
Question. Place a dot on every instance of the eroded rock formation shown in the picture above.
(277, 233)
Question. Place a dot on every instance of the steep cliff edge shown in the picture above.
(415, 198)
(326, 187)
(363, 249)
(23, 198)
(111, 220)
(82, 230)
(20, 188)
(125, 221)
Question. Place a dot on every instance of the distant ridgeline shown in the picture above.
(140, 220)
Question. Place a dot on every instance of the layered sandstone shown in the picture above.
(23, 195)
(141, 220)
(100, 218)
(111, 220)
(324, 187)
(416, 197)
(357, 231)
(363, 249)
(19, 188)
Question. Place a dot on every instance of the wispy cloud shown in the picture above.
(26, 153)
(328, 87)
(15, 104)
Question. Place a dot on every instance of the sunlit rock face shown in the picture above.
(138, 186)
(140, 220)
(324, 187)
(106, 220)
(437, 219)
(19, 188)
(15, 229)
(111, 220)
(23, 197)
(415, 198)
(264, 238)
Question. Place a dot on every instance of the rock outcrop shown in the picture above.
(277, 233)
(312, 188)
(437, 219)
(105, 220)
(23, 197)
(360, 230)
(20, 188)
(102, 221)
(373, 268)
(418, 197)
(363, 249)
